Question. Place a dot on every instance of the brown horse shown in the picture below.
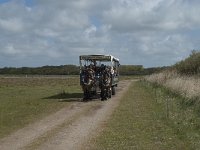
(88, 82)
(105, 83)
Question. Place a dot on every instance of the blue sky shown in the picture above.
(4, 1)
(29, 3)
(142, 32)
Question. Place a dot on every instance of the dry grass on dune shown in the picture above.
(187, 86)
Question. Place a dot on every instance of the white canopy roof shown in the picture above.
(99, 57)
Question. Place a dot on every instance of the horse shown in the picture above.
(88, 82)
(105, 83)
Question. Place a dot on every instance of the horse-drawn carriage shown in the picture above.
(98, 76)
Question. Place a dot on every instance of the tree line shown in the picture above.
(44, 70)
(74, 70)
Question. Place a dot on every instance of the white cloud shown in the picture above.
(13, 24)
(152, 15)
(90, 32)
(46, 32)
(11, 50)
(150, 33)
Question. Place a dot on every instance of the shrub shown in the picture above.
(189, 66)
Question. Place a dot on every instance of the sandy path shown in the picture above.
(77, 122)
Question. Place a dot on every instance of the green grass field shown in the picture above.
(25, 100)
(141, 122)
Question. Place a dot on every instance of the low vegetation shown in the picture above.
(182, 79)
(181, 85)
(186, 86)
(25, 100)
(147, 119)
(182, 114)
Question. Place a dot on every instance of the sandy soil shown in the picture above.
(69, 128)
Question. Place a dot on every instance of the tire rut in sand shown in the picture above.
(48, 136)
(27, 135)
(77, 134)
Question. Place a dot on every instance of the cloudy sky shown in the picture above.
(55, 32)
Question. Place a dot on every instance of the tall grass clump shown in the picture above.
(186, 86)
(183, 78)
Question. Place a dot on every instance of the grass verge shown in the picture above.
(143, 121)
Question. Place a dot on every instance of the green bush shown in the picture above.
(189, 66)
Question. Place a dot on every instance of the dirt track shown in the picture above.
(69, 128)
